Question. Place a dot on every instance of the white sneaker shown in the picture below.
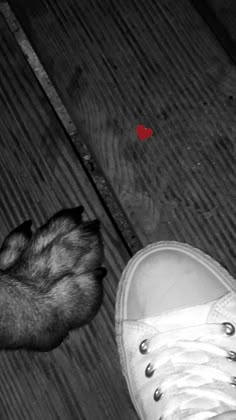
(175, 331)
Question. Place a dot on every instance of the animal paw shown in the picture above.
(50, 281)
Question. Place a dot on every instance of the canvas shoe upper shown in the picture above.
(175, 330)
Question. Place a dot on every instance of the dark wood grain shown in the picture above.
(40, 173)
(119, 64)
(220, 15)
(225, 11)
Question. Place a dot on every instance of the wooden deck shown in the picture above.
(115, 65)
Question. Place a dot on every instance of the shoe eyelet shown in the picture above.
(233, 383)
(149, 370)
(228, 328)
(143, 348)
(231, 355)
(157, 394)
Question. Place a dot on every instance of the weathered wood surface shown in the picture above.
(220, 15)
(225, 11)
(39, 174)
(118, 64)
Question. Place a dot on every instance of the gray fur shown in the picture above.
(50, 281)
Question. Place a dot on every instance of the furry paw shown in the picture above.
(50, 281)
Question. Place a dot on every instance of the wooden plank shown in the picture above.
(40, 174)
(119, 64)
(220, 15)
(225, 12)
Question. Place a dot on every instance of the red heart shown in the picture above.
(143, 133)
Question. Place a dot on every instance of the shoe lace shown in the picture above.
(192, 371)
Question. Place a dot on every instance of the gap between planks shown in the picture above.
(115, 211)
